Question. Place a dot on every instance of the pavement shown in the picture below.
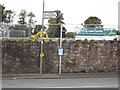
(59, 76)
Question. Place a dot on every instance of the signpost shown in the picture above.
(60, 53)
(41, 56)
(45, 15)
(49, 14)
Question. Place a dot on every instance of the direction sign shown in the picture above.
(49, 11)
(49, 14)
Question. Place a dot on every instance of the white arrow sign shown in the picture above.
(49, 14)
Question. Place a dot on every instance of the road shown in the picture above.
(62, 83)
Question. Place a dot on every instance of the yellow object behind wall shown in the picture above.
(37, 35)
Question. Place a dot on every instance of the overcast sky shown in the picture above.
(74, 11)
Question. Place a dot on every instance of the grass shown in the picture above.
(50, 39)
(25, 39)
(17, 39)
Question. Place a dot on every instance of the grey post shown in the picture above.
(60, 47)
(41, 58)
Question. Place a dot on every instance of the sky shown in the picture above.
(74, 11)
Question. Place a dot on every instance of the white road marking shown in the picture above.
(104, 86)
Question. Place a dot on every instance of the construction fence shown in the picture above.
(14, 30)
(22, 31)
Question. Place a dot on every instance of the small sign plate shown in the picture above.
(60, 51)
(42, 55)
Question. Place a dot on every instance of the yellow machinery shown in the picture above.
(37, 35)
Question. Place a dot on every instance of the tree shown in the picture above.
(2, 13)
(31, 21)
(59, 17)
(37, 29)
(55, 25)
(9, 16)
(92, 22)
(117, 32)
(70, 34)
(22, 17)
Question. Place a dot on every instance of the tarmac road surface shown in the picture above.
(62, 83)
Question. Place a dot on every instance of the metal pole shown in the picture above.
(60, 47)
(41, 61)
(43, 15)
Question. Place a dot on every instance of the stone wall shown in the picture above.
(79, 56)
